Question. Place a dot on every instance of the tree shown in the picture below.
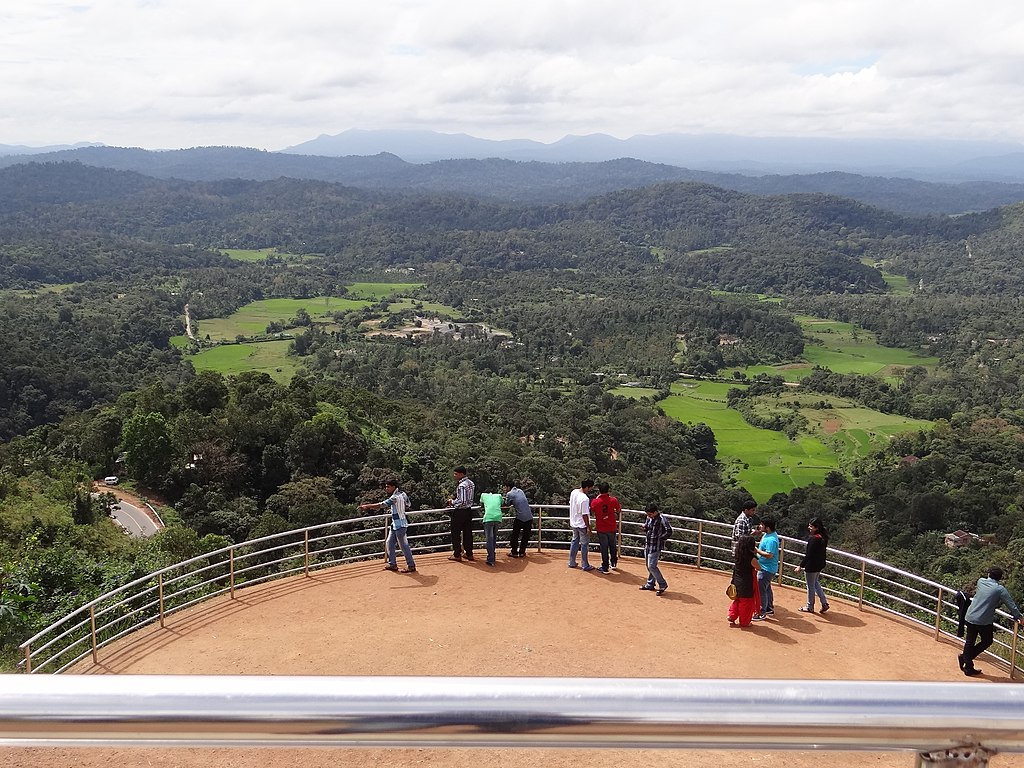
(147, 447)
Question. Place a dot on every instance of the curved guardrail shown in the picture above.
(940, 720)
(699, 543)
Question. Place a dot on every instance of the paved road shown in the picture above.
(135, 521)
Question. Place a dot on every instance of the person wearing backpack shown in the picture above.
(398, 503)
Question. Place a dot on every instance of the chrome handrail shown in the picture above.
(706, 544)
(238, 710)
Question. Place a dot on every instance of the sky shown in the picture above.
(164, 74)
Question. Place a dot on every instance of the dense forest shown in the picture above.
(636, 285)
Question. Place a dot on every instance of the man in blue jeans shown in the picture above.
(398, 503)
(768, 558)
(579, 522)
(656, 532)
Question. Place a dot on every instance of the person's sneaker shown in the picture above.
(603, 570)
(455, 558)
(573, 565)
(615, 566)
(470, 558)
(824, 609)
(660, 592)
(960, 660)
(589, 568)
(390, 567)
(645, 588)
(490, 563)
(770, 612)
(972, 671)
(758, 617)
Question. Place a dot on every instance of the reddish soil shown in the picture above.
(531, 617)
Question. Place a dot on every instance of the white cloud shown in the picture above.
(271, 74)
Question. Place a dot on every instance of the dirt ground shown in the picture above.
(529, 617)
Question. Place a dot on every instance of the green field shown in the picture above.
(761, 460)
(271, 357)
(378, 291)
(843, 348)
(261, 254)
(765, 461)
(898, 284)
(252, 319)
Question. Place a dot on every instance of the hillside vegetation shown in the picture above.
(415, 332)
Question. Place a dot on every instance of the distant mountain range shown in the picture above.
(524, 181)
(930, 160)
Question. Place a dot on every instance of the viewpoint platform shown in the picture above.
(523, 617)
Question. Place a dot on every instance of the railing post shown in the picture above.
(92, 632)
(540, 528)
(305, 554)
(782, 560)
(160, 594)
(938, 615)
(231, 574)
(860, 596)
(28, 659)
(700, 541)
(1013, 650)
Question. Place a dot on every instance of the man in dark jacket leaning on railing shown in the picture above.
(981, 616)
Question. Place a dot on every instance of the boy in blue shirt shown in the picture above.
(768, 558)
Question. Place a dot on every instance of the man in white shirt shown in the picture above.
(579, 521)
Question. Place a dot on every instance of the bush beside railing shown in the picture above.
(700, 543)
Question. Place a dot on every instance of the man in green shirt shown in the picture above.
(492, 519)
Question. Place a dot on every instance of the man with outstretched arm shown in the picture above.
(398, 503)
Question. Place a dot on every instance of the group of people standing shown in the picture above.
(756, 550)
(588, 515)
(756, 564)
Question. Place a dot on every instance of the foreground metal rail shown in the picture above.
(71, 710)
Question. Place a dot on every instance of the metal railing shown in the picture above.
(237, 710)
(703, 544)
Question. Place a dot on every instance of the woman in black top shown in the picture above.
(744, 567)
(813, 563)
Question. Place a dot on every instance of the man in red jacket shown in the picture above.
(606, 510)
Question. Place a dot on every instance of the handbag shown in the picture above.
(730, 591)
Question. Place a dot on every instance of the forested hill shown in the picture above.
(704, 235)
(509, 180)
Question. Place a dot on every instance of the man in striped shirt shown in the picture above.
(462, 515)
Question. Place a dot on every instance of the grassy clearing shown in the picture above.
(766, 462)
(257, 255)
(843, 348)
(271, 357)
(426, 307)
(252, 319)
(29, 293)
(378, 291)
(898, 284)
(763, 461)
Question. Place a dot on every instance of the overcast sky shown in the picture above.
(274, 73)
